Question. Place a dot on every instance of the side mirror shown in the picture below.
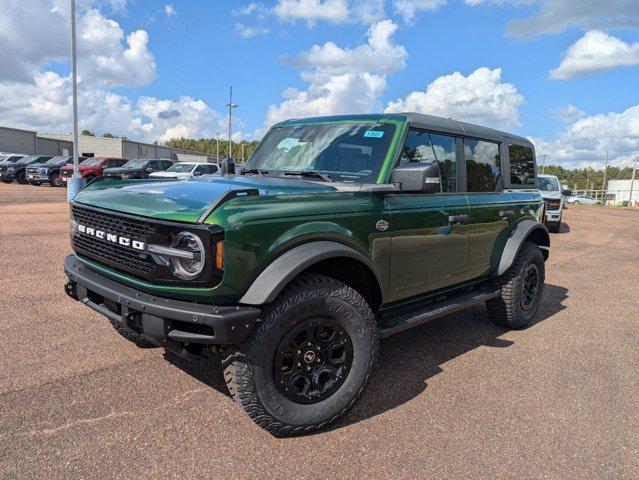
(197, 174)
(418, 177)
(149, 170)
(227, 166)
(567, 192)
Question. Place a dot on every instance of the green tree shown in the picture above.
(109, 135)
(88, 133)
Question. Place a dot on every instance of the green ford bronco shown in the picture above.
(338, 232)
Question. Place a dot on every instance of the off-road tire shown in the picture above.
(249, 369)
(131, 336)
(22, 178)
(554, 228)
(506, 310)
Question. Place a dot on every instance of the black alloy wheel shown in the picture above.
(529, 286)
(313, 360)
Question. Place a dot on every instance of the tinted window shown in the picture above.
(200, 169)
(522, 165)
(431, 147)
(211, 169)
(483, 166)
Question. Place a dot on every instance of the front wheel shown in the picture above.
(35, 184)
(55, 181)
(522, 287)
(308, 359)
(22, 178)
(4, 180)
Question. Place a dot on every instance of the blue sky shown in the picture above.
(339, 60)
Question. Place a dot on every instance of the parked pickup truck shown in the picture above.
(138, 168)
(18, 170)
(49, 171)
(92, 167)
(338, 232)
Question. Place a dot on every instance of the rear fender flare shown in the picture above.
(287, 266)
(519, 235)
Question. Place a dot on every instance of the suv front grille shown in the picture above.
(552, 204)
(126, 258)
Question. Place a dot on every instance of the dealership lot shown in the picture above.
(454, 398)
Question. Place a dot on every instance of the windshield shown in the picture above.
(181, 167)
(28, 159)
(92, 162)
(57, 160)
(548, 184)
(138, 163)
(345, 152)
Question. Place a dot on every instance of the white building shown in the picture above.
(620, 191)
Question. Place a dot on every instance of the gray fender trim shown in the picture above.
(516, 240)
(284, 268)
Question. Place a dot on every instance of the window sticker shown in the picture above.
(373, 134)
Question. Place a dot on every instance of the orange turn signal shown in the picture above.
(219, 255)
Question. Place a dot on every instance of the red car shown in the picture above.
(92, 167)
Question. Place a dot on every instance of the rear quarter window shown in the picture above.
(522, 165)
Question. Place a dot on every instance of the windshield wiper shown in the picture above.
(258, 171)
(308, 173)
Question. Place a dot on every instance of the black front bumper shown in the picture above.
(164, 321)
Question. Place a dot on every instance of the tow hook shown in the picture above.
(70, 289)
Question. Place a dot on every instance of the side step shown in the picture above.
(435, 310)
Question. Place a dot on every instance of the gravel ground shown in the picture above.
(455, 398)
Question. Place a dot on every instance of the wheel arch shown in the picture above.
(329, 258)
(525, 231)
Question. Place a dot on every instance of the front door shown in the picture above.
(429, 232)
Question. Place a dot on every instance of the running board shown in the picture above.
(436, 310)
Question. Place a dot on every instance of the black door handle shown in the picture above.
(506, 213)
(453, 219)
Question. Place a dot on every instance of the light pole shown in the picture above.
(603, 185)
(543, 165)
(231, 106)
(75, 183)
(217, 146)
(242, 145)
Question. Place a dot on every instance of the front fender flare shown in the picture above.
(284, 268)
(519, 235)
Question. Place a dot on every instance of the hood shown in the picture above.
(119, 170)
(187, 200)
(170, 175)
(551, 195)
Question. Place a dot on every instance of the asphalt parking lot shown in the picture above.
(455, 398)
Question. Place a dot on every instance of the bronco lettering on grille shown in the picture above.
(124, 241)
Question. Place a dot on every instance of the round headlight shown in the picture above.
(188, 268)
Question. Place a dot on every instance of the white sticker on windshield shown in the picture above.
(373, 134)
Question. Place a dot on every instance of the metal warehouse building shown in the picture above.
(620, 191)
(15, 140)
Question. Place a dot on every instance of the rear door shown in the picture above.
(429, 232)
(492, 211)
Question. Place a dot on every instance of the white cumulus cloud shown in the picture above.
(408, 9)
(169, 10)
(585, 142)
(596, 52)
(568, 113)
(380, 54)
(480, 97)
(342, 80)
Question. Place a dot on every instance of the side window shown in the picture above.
(164, 165)
(200, 169)
(154, 165)
(522, 165)
(483, 166)
(211, 169)
(432, 147)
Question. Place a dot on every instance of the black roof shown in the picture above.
(450, 125)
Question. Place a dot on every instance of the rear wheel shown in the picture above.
(4, 180)
(522, 287)
(308, 359)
